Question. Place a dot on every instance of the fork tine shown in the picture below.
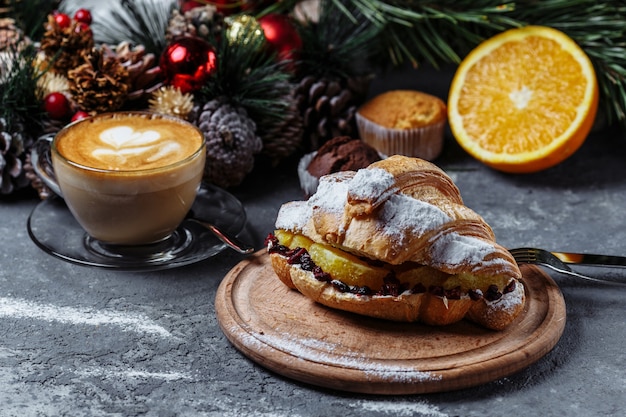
(523, 255)
(543, 257)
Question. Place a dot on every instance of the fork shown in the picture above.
(549, 260)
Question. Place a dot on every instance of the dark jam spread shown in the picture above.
(391, 285)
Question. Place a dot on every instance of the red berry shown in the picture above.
(83, 15)
(62, 20)
(80, 115)
(82, 27)
(56, 105)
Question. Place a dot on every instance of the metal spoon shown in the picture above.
(231, 241)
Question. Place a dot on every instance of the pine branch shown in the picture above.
(343, 43)
(139, 22)
(249, 76)
(18, 89)
(29, 14)
(434, 31)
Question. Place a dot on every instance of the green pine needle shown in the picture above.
(138, 22)
(30, 15)
(342, 43)
(250, 77)
(18, 90)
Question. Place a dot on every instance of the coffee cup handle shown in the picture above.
(42, 162)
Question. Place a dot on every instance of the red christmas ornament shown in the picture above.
(187, 63)
(56, 105)
(185, 6)
(83, 15)
(282, 36)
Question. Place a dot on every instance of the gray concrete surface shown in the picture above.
(78, 341)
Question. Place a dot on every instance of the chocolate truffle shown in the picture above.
(342, 153)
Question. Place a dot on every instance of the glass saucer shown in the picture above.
(53, 228)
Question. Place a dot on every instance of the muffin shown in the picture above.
(403, 122)
(341, 153)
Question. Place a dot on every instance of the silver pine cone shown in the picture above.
(231, 141)
(12, 147)
(204, 22)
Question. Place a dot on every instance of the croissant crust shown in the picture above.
(398, 210)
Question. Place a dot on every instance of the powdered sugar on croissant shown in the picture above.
(397, 210)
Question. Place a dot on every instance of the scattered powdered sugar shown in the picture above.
(131, 374)
(318, 351)
(293, 216)
(401, 214)
(509, 301)
(455, 249)
(371, 184)
(25, 309)
(331, 195)
(398, 408)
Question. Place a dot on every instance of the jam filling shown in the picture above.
(391, 285)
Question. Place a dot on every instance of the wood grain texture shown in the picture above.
(288, 333)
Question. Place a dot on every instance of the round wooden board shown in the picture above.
(288, 333)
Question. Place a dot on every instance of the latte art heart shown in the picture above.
(129, 142)
(124, 142)
(121, 137)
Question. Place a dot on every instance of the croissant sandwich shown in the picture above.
(394, 241)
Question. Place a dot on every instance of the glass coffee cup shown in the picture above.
(129, 178)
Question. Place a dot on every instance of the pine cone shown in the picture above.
(13, 142)
(11, 36)
(35, 181)
(143, 68)
(328, 107)
(99, 84)
(231, 142)
(204, 22)
(65, 46)
(283, 138)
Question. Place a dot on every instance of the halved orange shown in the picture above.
(523, 100)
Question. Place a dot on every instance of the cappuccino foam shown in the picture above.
(129, 142)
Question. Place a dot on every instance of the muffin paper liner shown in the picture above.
(423, 142)
(308, 182)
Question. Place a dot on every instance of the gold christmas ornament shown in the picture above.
(171, 101)
(51, 82)
(243, 29)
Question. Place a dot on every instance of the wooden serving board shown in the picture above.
(287, 333)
